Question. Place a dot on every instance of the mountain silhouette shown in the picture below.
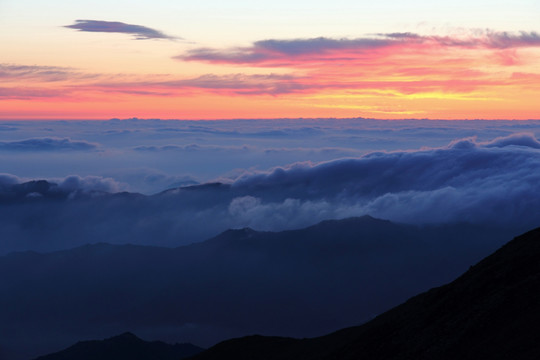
(298, 283)
(124, 347)
(490, 312)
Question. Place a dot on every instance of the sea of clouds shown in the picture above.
(196, 179)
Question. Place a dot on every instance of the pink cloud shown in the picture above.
(387, 64)
(299, 52)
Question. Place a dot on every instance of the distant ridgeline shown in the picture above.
(126, 346)
(299, 283)
(490, 312)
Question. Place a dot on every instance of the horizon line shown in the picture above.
(264, 119)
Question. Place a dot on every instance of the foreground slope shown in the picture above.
(490, 312)
(125, 346)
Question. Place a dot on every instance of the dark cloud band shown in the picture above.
(140, 32)
(276, 50)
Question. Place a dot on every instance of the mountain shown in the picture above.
(124, 347)
(490, 312)
(299, 283)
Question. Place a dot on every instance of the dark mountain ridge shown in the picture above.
(490, 312)
(293, 283)
(124, 346)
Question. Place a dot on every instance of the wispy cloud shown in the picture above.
(34, 81)
(25, 93)
(242, 84)
(138, 31)
(34, 73)
(71, 81)
(231, 84)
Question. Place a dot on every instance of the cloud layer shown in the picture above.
(152, 155)
(12, 186)
(494, 182)
(47, 144)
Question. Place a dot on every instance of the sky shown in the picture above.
(282, 59)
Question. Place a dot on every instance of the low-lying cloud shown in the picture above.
(192, 148)
(518, 139)
(496, 181)
(493, 182)
(47, 144)
(89, 184)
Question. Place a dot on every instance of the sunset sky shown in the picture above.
(169, 59)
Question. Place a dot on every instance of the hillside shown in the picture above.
(490, 312)
(299, 283)
(125, 346)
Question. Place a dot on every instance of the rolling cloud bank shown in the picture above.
(493, 182)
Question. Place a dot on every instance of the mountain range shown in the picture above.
(299, 283)
(490, 312)
(125, 346)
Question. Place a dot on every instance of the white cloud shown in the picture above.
(75, 183)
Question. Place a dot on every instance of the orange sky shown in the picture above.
(96, 69)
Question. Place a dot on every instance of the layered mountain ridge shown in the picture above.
(490, 312)
(299, 283)
(124, 346)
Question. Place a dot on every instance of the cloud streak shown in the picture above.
(26, 93)
(48, 144)
(193, 148)
(231, 84)
(34, 72)
(138, 31)
(295, 52)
